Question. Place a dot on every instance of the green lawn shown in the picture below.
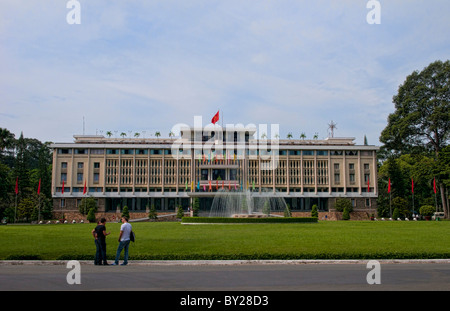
(172, 240)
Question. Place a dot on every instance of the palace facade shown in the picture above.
(168, 173)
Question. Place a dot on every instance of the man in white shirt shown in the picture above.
(124, 242)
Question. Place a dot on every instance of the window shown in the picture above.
(112, 151)
(141, 151)
(64, 177)
(96, 164)
(336, 152)
(308, 152)
(351, 166)
(204, 174)
(337, 178)
(352, 178)
(126, 151)
(96, 177)
(351, 152)
(79, 177)
(64, 151)
(97, 151)
(80, 151)
(322, 152)
(336, 166)
(63, 164)
(80, 165)
(366, 166)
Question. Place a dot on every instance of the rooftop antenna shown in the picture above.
(331, 127)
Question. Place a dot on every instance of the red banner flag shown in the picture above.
(17, 185)
(84, 190)
(215, 118)
(62, 189)
(434, 185)
(368, 185)
(412, 185)
(389, 185)
(39, 187)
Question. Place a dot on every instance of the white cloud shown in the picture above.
(139, 65)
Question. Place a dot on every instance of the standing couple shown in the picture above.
(100, 234)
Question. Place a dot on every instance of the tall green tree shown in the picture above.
(421, 120)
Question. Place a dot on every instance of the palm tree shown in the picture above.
(109, 134)
(123, 134)
(303, 136)
(316, 136)
(157, 134)
(171, 134)
(289, 136)
(136, 135)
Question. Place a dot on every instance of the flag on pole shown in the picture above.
(215, 118)
(389, 185)
(368, 185)
(84, 189)
(412, 185)
(17, 185)
(39, 187)
(210, 188)
(198, 185)
(62, 189)
(186, 186)
(434, 185)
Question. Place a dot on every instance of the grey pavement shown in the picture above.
(241, 276)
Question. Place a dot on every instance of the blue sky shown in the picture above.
(135, 66)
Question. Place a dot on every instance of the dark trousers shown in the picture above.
(100, 253)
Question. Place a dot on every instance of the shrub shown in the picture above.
(314, 212)
(86, 204)
(249, 220)
(426, 210)
(180, 212)
(195, 207)
(396, 213)
(152, 214)
(346, 214)
(91, 215)
(287, 211)
(125, 212)
(342, 203)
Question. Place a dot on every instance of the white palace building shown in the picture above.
(169, 172)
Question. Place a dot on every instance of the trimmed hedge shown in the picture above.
(270, 256)
(231, 220)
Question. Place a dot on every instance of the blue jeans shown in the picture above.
(100, 254)
(122, 245)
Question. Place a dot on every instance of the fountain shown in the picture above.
(242, 203)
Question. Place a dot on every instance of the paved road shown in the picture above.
(227, 276)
